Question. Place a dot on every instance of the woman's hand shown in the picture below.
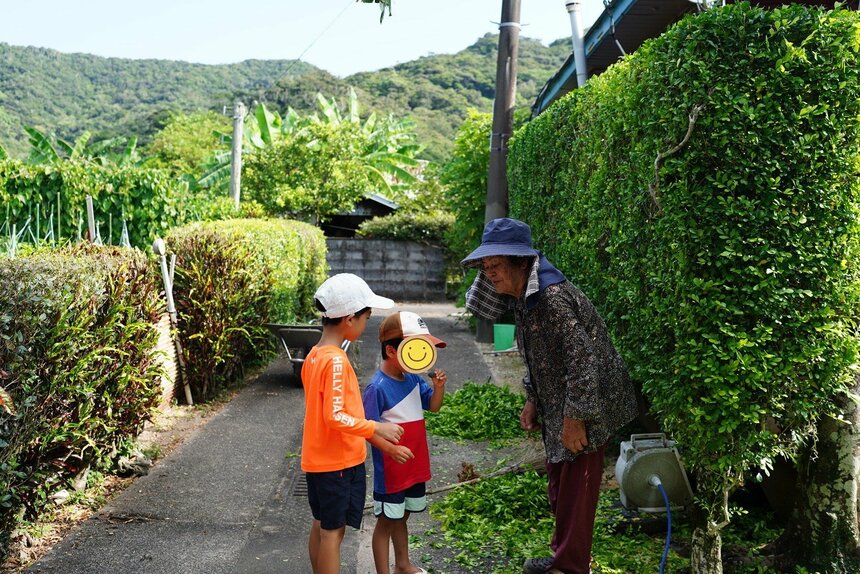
(529, 418)
(573, 435)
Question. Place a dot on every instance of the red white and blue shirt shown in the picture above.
(401, 402)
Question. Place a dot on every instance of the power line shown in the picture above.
(320, 35)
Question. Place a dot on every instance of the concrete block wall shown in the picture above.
(401, 270)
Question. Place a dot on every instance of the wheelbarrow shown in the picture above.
(296, 342)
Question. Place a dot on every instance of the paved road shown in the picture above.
(231, 499)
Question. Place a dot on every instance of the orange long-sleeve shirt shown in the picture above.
(335, 428)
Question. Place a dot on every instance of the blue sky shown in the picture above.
(340, 36)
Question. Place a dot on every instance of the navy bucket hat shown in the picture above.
(503, 236)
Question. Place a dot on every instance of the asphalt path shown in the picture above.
(232, 498)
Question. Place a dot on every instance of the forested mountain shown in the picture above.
(70, 93)
(434, 90)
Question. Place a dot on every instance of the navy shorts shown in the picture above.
(395, 505)
(337, 497)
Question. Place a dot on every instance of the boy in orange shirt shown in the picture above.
(335, 429)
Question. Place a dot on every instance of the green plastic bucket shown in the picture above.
(503, 336)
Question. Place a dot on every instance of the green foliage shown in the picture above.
(479, 412)
(436, 90)
(148, 200)
(311, 175)
(465, 180)
(427, 227)
(183, 145)
(77, 336)
(730, 276)
(68, 94)
(505, 519)
(232, 277)
(316, 165)
(502, 521)
(50, 149)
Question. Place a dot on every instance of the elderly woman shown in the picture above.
(577, 388)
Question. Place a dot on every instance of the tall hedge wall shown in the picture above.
(77, 335)
(729, 276)
(232, 277)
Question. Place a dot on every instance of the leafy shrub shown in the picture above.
(465, 178)
(150, 201)
(479, 412)
(77, 334)
(233, 277)
(730, 275)
(312, 174)
(408, 226)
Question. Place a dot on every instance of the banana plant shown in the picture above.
(386, 148)
(50, 149)
(389, 145)
(42, 147)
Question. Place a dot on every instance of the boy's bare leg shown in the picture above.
(314, 544)
(324, 549)
(380, 542)
(400, 540)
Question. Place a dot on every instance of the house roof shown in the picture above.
(634, 21)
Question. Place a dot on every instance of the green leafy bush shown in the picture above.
(232, 277)
(77, 335)
(479, 412)
(428, 227)
(465, 178)
(728, 274)
(149, 200)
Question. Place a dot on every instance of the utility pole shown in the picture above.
(503, 110)
(503, 126)
(236, 158)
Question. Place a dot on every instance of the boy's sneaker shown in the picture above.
(537, 565)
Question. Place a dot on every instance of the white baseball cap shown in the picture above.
(345, 294)
(406, 324)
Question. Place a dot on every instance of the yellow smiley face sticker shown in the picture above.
(416, 354)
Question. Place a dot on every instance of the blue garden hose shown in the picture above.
(669, 522)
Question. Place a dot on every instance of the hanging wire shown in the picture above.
(606, 5)
(320, 35)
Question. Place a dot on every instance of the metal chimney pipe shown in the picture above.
(574, 8)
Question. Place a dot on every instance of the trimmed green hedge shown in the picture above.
(77, 335)
(730, 276)
(231, 278)
(425, 227)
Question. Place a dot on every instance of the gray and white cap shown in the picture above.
(344, 294)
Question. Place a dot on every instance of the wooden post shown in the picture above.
(160, 249)
(91, 219)
(236, 158)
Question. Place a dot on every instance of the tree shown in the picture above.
(360, 156)
(311, 175)
(184, 144)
